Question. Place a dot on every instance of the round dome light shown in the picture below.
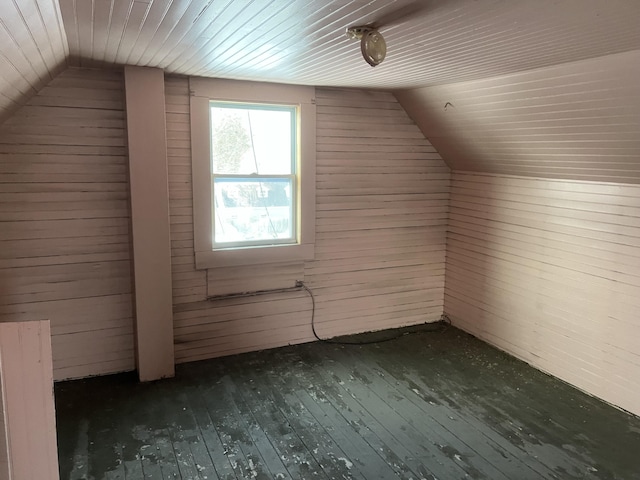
(373, 47)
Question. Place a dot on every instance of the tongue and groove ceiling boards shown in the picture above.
(442, 46)
(33, 50)
(304, 41)
(578, 120)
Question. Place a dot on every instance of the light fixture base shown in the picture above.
(357, 32)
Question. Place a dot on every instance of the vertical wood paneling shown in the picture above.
(64, 218)
(27, 400)
(549, 270)
(381, 201)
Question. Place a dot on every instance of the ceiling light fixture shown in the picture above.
(372, 43)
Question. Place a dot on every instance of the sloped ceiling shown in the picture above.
(578, 120)
(433, 46)
(33, 49)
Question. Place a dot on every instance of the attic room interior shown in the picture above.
(273, 239)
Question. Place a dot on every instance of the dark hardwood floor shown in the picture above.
(429, 405)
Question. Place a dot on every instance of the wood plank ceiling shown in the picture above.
(434, 44)
(304, 41)
(33, 49)
(579, 120)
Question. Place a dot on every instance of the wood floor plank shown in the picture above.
(460, 439)
(393, 452)
(212, 441)
(194, 440)
(315, 434)
(177, 435)
(509, 458)
(167, 457)
(424, 444)
(147, 437)
(424, 406)
(507, 401)
(232, 437)
(262, 404)
(357, 453)
(130, 423)
(265, 453)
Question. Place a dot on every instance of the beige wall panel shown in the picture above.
(549, 270)
(380, 235)
(64, 207)
(28, 410)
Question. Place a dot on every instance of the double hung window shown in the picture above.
(253, 169)
(254, 174)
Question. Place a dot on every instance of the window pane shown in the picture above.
(253, 210)
(252, 140)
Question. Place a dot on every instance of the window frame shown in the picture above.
(203, 91)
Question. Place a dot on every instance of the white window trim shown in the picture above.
(203, 90)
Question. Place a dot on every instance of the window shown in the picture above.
(253, 169)
(254, 152)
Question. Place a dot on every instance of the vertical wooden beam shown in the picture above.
(28, 412)
(150, 221)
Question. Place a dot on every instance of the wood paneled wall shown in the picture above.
(549, 270)
(64, 217)
(382, 195)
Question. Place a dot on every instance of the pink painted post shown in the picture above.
(28, 410)
(148, 178)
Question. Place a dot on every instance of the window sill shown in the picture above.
(254, 256)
